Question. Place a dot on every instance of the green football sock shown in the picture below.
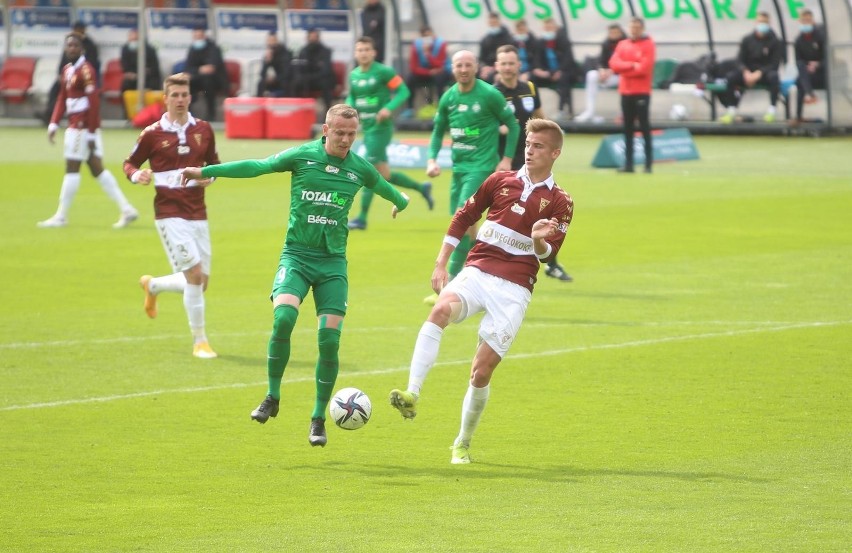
(328, 340)
(404, 181)
(278, 352)
(459, 256)
(366, 200)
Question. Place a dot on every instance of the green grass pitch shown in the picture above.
(689, 391)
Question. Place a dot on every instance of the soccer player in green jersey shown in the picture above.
(375, 90)
(326, 175)
(472, 110)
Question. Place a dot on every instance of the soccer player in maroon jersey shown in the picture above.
(527, 217)
(79, 98)
(176, 141)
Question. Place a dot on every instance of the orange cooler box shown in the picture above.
(290, 117)
(245, 117)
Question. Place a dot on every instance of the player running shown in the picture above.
(472, 110)
(371, 86)
(326, 175)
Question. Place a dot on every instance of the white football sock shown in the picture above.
(70, 186)
(472, 408)
(771, 110)
(592, 78)
(110, 186)
(425, 353)
(169, 283)
(193, 302)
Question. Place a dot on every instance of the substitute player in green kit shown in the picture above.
(472, 110)
(326, 175)
(375, 90)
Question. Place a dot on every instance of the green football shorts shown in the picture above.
(326, 276)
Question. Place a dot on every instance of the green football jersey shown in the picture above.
(370, 91)
(473, 119)
(322, 188)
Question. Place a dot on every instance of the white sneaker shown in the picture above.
(126, 218)
(585, 116)
(53, 222)
(461, 454)
(598, 119)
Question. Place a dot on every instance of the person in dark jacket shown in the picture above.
(129, 64)
(556, 66)
(276, 72)
(528, 47)
(313, 69)
(634, 60)
(90, 50)
(759, 57)
(810, 61)
(373, 26)
(497, 36)
(602, 76)
(427, 68)
(206, 67)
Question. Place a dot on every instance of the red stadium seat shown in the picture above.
(112, 78)
(16, 79)
(235, 72)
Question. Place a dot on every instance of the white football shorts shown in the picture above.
(77, 146)
(187, 243)
(504, 303)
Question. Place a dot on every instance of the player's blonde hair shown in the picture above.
(341, 110)
(549, 127)
(178, 79)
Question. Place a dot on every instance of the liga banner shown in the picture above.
(39, 32)
(409, 154)
(108, 27)
(668, 145)
(170, 32)
(337, 31)
(241, 33)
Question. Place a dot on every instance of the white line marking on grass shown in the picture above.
(635, 343)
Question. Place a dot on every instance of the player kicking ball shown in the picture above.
(527, 217)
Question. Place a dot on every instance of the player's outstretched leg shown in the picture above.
(267, 408)
(405, 402)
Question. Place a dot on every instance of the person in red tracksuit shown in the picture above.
(633, 60)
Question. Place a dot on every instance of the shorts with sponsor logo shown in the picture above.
(504, 303)
(326, 275)
(465, 185)
(187, 243)
(376, 144)
(77, 145)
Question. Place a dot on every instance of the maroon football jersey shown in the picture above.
(167, 156)
(78, 96)
(503, 245)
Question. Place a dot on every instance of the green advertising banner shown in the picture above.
(668, 144)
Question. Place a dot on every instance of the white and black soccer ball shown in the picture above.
(678, 112)
(350, 408)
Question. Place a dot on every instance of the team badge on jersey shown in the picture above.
(528, 102)
(183, 149)
(544, 203)
(504, 191)
(197, 137)
(520, 210)
(476, 108)
(331, 169)
(352, 176)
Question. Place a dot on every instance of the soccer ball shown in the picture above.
(350, 408)
(678, 112)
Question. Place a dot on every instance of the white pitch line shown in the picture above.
(634, 343)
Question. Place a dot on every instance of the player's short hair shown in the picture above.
(507, 48)
(76, 36)
(546, 126)
(341, 110)
(366, 40)
(178, 79)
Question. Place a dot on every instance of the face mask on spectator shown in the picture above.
(133, 45)
(806, 28)
(427, 41)
(199, 44)
(762, 28)
(494, 31)
(521, 38)
(547, 35)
